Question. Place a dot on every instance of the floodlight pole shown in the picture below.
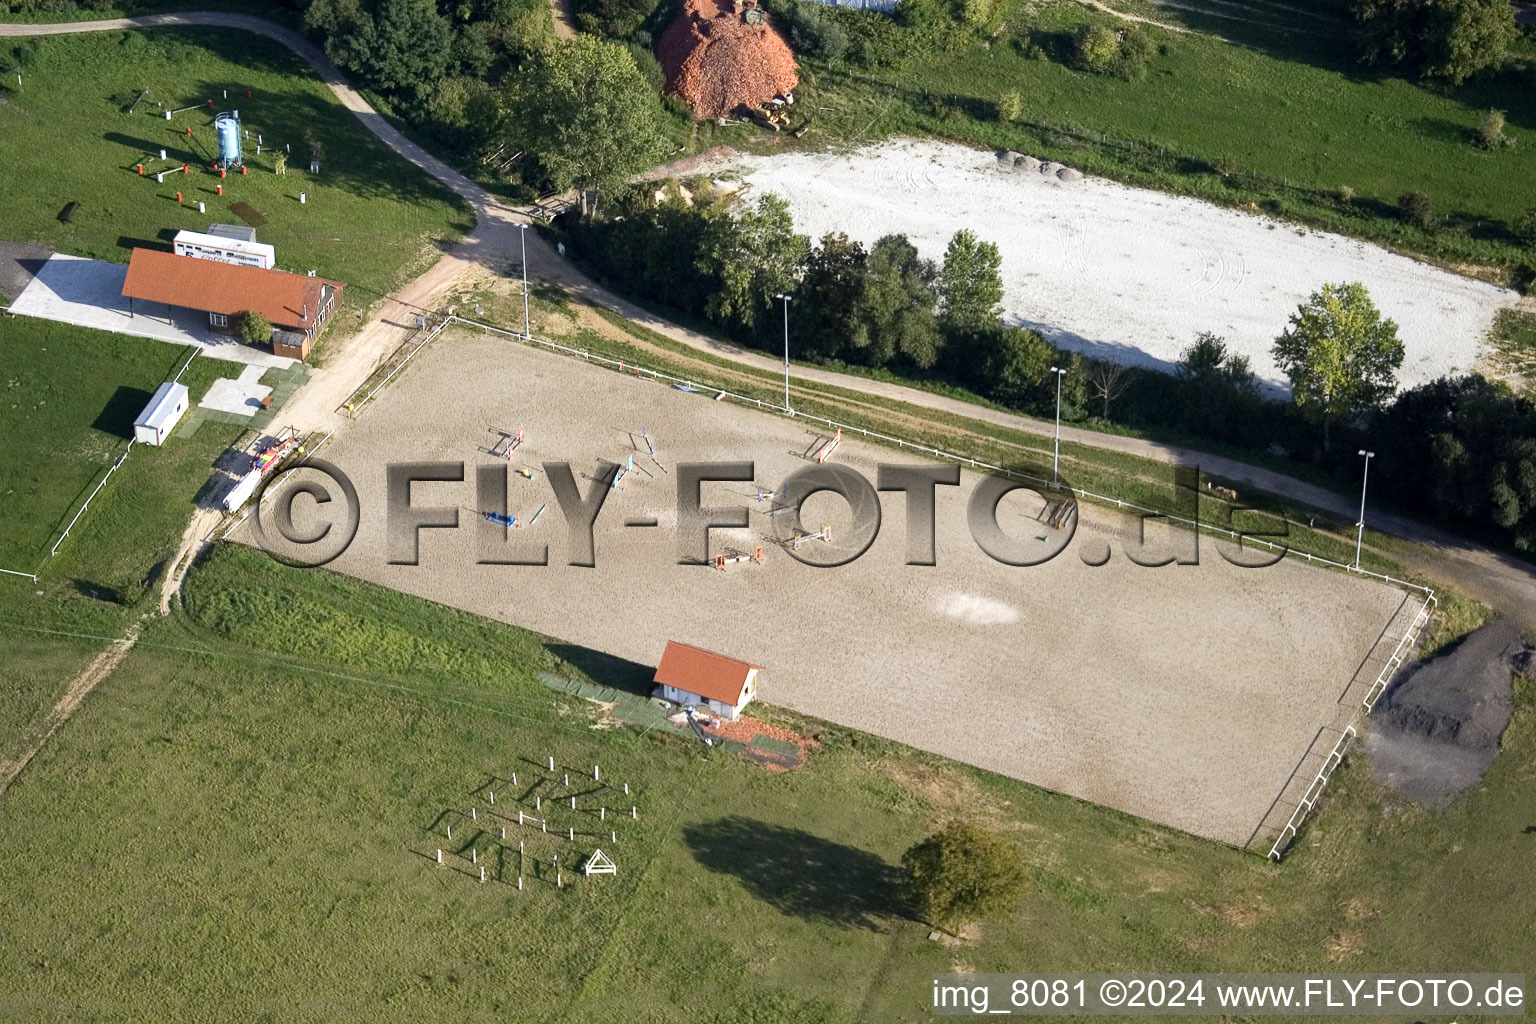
(1056, 454)
(785, 297)
(1360, 526)
(522, 234)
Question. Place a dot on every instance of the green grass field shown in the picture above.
(1278, 114)
(66, 414)
(224, 826)
(371, 220)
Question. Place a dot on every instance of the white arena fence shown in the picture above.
(120, 460)
(1314, 791)
(1404, 645)
(937, 453)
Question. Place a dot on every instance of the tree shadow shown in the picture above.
(801, 874)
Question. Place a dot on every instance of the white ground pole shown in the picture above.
(522, 234)
(1056, 450)
(785, 297)
(1360, 526)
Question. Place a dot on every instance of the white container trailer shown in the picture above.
(223, 249)
(160, 416)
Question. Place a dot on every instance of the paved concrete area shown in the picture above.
(89, 293)
(241, 396)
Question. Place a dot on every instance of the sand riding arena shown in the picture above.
(1192, 695)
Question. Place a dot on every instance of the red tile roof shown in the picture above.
(703, 672)
(227, 288)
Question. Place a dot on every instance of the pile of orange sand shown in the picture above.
(718, 62)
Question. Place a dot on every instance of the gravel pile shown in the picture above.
(718, 63)
(1437, 729)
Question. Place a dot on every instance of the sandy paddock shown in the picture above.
(1124, 273)
(1184, 694)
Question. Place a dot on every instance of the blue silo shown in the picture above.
(228, 127)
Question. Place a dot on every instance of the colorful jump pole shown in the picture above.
(830, 447)
(825, 536)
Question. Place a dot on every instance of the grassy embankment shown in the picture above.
(224, 824)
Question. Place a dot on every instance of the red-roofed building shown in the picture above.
(691, 675)
(296, 305)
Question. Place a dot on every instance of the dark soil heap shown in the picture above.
(718, 61)
(1437, 729)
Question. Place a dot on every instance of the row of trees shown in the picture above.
(889, 307)
(1449, 40)
(882, 307)
(489, 77)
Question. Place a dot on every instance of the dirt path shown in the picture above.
(565, 25)
(100, 667)
(1495, 578)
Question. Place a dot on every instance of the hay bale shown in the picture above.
(1027, 163)
(1049, 168)
(1069, 174)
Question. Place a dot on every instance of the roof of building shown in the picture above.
(240, 231)
(705, 673)
(288, 300)
(161, 409)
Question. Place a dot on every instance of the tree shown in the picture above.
(895, 313)
(753, 256)
(826, 301)
(1015, 363)
(1341, 356)
(1217, 387)
(1074, 388)
(1447, 39)
(585, 110)
(1463, 448)
(1094, 48)
(970, 284)
(404, 46)
(963, 873)
(1108, 380)
(255, 329)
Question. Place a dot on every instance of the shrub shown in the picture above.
(648, 66)
(812, 30)
(255, 329)
(1525, 227)
(1094, 48)
(1490, 133)
(1134, 53)
(917, 14)
(1523, 279)
(1010, 106)
(975, 12)
(1416, 209)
